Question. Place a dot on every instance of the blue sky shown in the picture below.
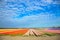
(29, 13)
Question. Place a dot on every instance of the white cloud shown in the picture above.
(47, 1)
(34, 8)
(7, 15)
(56, 2)
(34, 19)
(29, 21)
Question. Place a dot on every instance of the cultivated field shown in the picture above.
(29, 34)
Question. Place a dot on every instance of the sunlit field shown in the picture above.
(29, 34)
(12, 31)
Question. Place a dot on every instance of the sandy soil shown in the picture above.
(29, 38)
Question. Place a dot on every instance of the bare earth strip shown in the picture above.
(29, 38)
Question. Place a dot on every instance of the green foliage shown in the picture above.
(50, 34)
